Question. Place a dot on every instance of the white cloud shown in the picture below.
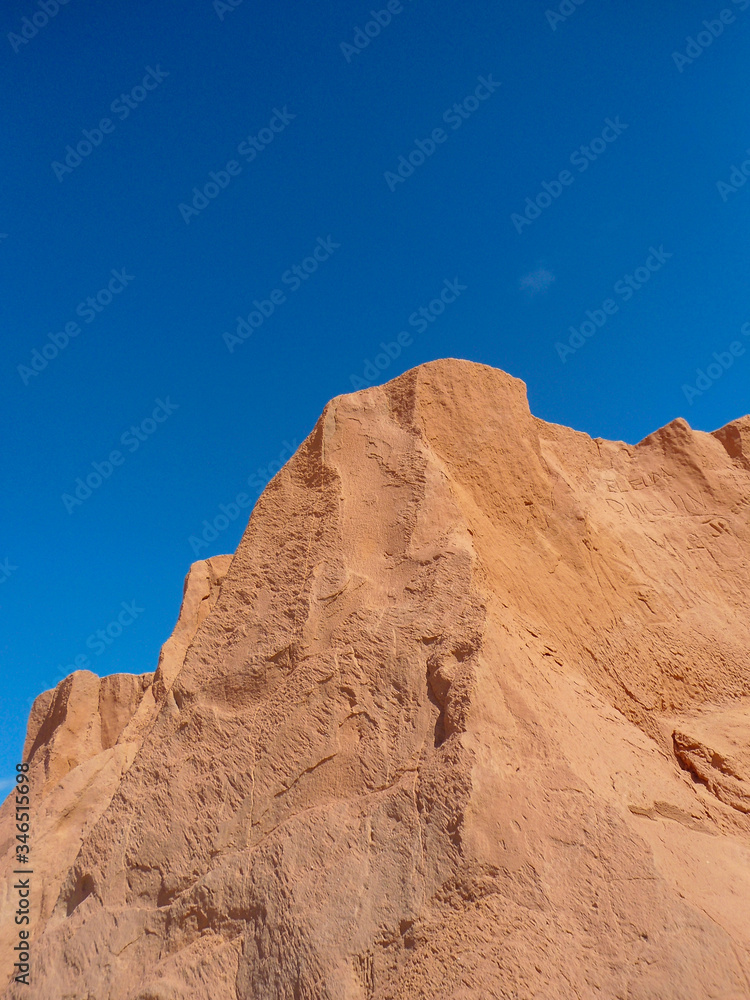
(537, 282)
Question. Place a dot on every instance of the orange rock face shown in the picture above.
(466, 716)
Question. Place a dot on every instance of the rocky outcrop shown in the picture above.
(466, 717)
(81, 739)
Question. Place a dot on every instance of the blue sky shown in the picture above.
(214, 217)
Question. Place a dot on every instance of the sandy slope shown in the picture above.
(467, 715)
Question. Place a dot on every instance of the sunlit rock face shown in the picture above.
(466, 716)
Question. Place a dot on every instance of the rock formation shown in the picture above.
(466, 716)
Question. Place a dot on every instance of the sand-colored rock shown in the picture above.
(81, 739)
(466, 716)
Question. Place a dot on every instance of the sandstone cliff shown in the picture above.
(467, 715)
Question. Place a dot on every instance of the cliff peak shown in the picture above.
(466, 715)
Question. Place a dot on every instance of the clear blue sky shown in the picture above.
(305, 127)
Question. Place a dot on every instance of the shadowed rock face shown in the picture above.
(467, 715)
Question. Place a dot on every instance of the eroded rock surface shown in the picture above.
(81, 739)
(467, 715)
